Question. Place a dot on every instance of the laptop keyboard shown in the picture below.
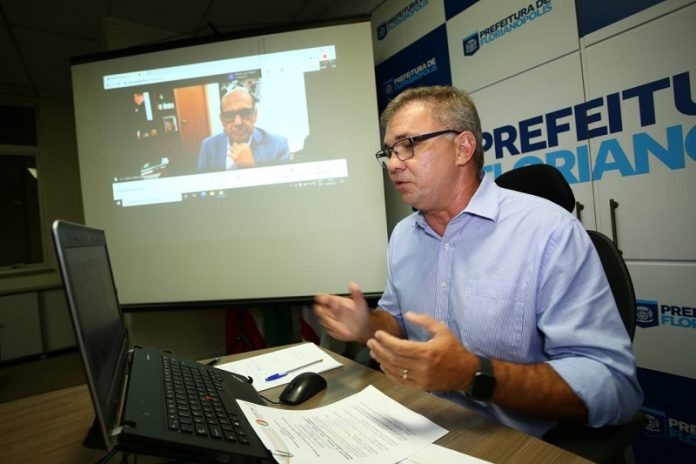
(194, 406)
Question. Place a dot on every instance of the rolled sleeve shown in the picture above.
(611, 397)
(584, 336)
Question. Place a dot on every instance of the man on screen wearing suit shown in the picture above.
(241, 145)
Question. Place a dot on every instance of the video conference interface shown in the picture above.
(167, 123)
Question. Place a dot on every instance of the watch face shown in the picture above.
(482, 386)
(483, 383)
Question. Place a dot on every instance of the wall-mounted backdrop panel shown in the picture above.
(642, 88)
(424, 62)
(401, 22)
(493, 40)
(665, 318)
(528, 119)
(599, 19)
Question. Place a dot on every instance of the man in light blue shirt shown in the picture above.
(495, 300)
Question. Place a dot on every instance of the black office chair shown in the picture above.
(618, 277)
(608, 444)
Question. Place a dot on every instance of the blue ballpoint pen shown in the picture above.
(280, 375)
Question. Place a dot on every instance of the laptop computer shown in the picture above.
(147, 400)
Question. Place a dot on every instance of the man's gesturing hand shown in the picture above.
(441, 363)
(242, 155)
(344, 318)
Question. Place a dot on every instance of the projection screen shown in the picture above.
(189, 215)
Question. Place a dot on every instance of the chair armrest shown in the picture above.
(603, 445)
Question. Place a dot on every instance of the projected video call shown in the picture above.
(235, 169)
(226, 123)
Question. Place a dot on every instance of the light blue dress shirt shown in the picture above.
(516, 278)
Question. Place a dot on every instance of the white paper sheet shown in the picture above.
(261, 366)
(436, 454)
(366, 427)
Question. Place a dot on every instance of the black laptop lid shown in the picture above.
(97, 319)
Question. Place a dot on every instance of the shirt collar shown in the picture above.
(484, 203)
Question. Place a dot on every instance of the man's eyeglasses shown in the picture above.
(403, 149)
(245, 114)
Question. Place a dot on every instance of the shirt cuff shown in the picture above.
(595, 386)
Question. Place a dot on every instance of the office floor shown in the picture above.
(31, 377)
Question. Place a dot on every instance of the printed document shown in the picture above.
(280, 367)
(366, 427)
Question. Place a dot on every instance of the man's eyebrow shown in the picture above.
(398, 138)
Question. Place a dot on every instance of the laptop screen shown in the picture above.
(97, 318)
(100, 317)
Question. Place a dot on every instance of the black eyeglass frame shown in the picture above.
(386, 153)
(244, 114)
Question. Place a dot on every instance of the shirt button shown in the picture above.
(443, 285)
(446, 246)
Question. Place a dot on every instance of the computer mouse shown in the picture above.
(302, 387)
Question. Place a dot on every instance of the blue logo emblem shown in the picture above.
(389, 87)
(657, 423)
(646, 313)
(471, 44)
(382, 31)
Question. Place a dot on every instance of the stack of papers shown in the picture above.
(280, 367)
(366, 427)
(363, 428)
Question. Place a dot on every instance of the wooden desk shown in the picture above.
(50, 427)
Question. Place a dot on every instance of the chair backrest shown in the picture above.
(619, 279)
(541, 180)
(547, 182)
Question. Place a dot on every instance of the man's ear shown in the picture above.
(465, 148)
